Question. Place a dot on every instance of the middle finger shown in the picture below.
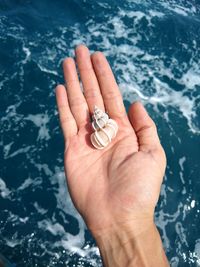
(91, 88)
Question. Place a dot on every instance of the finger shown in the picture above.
(111, 95)
(91, 88)
(77, 102)
(67, 121)
(144, 127)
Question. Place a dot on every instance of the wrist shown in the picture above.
(131, 246)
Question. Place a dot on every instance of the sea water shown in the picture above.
(153, 47)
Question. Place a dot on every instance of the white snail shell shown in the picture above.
(105, 129)
(100, 119)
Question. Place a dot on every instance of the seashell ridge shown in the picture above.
(105, 129)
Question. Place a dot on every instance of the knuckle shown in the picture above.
(104, 73)
(85, 68)
(146, 129)
(77, 101)
(72, 81)
(63, 111)
(65, 119)
(91, 93)
(111, 94)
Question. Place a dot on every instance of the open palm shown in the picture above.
(120, 183)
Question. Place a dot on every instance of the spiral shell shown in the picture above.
(105, 129)
(100, 119)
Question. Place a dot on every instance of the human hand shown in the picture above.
(119, 185)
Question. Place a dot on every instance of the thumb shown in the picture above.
(144, 127)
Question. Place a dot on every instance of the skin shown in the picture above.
(115, 189)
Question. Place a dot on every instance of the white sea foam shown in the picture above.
(29, 182)
(27, 54)
(181, 173)
(43, 167)
(72, 243)
(193, 203)
(155, 13)
(163, 219)
(12, 242)
(174, 262)
(191, 78)
(6, 149)
(181, 162)
(3, 81)
(179, 7)
(41, 121)
(179, 10)
(4, 191)
(181, 233)
(197, 251)
(19, 151)
(40, 209)
(44, 69)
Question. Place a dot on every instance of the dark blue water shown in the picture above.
(154, 50)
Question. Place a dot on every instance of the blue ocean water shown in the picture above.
(154, 50)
